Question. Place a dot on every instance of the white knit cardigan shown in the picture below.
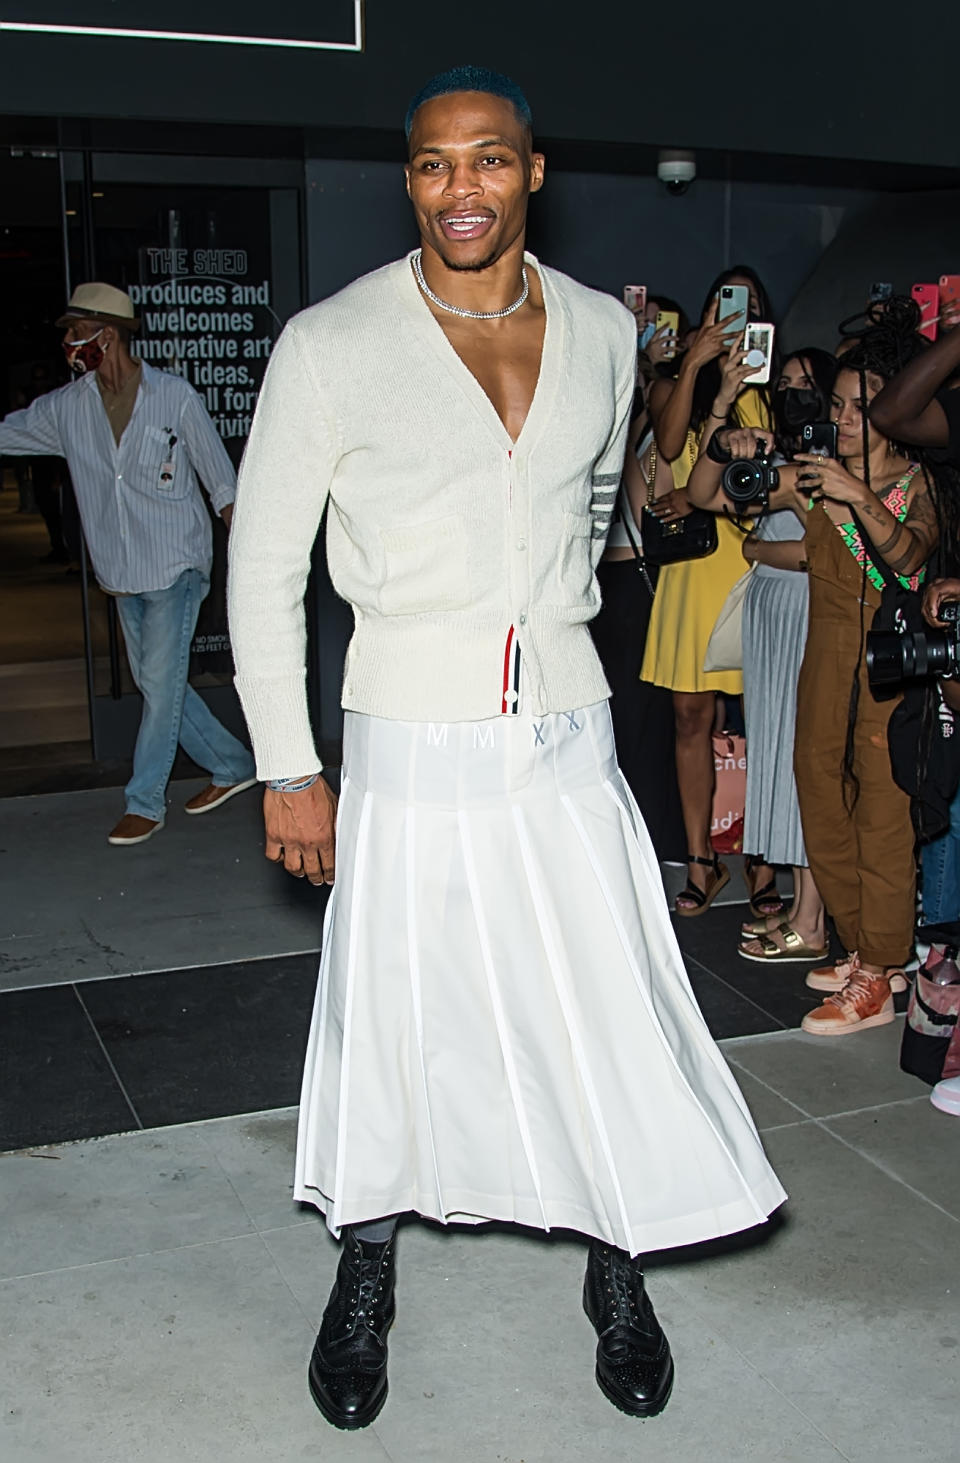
(442, 533)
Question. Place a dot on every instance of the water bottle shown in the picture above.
(946, 971)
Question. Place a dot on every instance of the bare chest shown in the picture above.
(504, 359)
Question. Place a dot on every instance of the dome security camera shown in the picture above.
(677, 170)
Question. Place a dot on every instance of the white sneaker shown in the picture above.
(946, 1096)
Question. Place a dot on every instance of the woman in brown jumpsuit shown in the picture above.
(856, 821)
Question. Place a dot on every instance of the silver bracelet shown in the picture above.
(292, 784)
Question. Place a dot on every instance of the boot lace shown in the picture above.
(367, 1289)
(620, 1290)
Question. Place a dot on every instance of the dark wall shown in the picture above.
(606, 230)
(694, 74)
(903, 240)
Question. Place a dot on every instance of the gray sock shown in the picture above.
(375, 1231)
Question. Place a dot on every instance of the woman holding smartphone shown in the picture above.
(709, 391)
(856, 820)
(774, 637)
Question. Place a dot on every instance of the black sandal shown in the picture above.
(701, 899)
(766, 901)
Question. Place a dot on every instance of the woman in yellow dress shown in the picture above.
(709, 387)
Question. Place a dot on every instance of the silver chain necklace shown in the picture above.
(458, 309)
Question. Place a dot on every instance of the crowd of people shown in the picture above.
(504, 1029)
(842, 787)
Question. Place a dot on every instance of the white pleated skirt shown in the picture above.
(503, 1026)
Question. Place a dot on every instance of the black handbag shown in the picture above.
(691, 537)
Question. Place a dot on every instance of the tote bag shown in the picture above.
(725, 647)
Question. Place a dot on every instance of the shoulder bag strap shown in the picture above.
(641, 566)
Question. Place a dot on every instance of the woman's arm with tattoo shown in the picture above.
(904, 546)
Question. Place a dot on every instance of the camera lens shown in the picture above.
(892, 658)
(743, 481)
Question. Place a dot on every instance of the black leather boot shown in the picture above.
(348, 1368)
(634, 1365)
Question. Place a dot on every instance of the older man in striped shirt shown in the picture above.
(136, 441)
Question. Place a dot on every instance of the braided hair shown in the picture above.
(886, 340)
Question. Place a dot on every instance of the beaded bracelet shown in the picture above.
(292, 784)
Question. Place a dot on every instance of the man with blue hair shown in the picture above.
(503, 1029)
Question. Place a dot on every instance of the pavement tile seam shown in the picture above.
(717, 1327)
(774, 1091)
(202, 1244)
(855, 1112)
(107, 1058)
(270, 1229)
(295, 1223)
(778, 1024)
(779, 1127)
(309, 949)
(885, 1169)
(782, 1033)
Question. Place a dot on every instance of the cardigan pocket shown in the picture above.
(574, 567)
(426, 567)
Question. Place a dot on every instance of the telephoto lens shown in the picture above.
(892, 658)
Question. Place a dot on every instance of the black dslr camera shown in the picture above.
(892, 657)
(746, 480)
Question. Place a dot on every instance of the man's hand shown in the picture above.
(226, 514)
(301, 831)
(941, 591)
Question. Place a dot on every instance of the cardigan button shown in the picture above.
(523, 619)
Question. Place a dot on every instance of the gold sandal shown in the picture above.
(794, 949)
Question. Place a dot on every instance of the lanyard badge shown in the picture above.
(168, 468)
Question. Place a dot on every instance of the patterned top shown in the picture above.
(896, 501)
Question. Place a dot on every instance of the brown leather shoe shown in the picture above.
(132, 828)
(212, 796)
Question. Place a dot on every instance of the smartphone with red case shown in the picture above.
(927, 296)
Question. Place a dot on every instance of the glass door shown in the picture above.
(210, 251)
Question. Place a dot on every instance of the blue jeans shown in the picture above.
(158, 628)
(940, 861)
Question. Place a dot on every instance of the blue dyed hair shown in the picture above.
(471, 78)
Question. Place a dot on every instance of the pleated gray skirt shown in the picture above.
(503, 1026)
(774, 639)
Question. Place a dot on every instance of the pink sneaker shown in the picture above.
(835, 977)
(864, 1001)
(946, 1096)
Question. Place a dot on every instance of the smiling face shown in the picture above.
(470, 174)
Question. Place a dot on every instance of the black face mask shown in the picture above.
(796, 406)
